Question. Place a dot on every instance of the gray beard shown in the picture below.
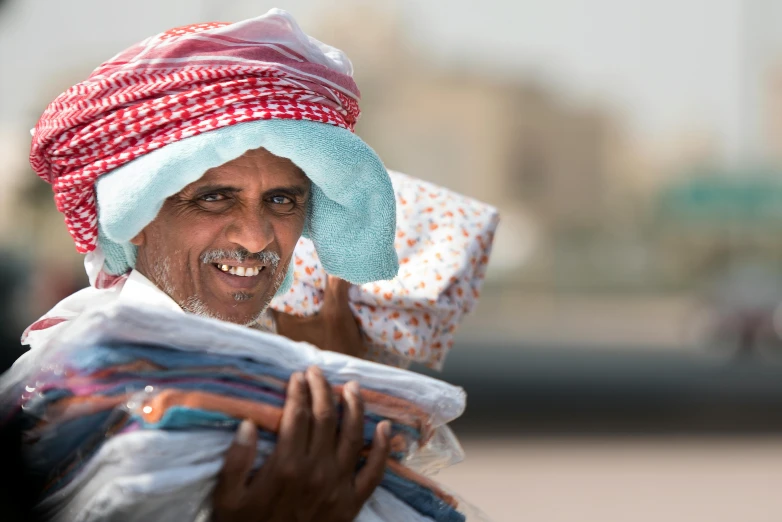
(161, 273)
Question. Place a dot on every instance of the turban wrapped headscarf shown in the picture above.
(155, 117)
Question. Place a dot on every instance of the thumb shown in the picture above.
(336, 297)
(239, 457)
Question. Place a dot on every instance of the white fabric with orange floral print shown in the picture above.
(443, 242)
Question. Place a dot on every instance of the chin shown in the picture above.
(244, 318)
(242, 313)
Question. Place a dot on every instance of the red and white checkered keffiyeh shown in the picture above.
(179, 84)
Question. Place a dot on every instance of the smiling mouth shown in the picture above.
(240, 271)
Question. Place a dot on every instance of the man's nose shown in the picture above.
(250, 230)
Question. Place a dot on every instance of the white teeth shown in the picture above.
(240, 270)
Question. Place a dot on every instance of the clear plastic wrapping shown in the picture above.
(128, 413)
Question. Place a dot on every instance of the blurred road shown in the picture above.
(573, 433)
(622, 479)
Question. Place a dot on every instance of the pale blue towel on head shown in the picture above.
(351, 217)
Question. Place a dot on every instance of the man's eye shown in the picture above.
(280, 200)
(212, 197)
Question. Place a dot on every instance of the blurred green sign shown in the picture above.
(739, 198)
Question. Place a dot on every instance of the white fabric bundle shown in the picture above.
(163, 475)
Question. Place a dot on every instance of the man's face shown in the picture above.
(222, 245)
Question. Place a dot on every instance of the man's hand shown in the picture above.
(312, 473)
(333, 328)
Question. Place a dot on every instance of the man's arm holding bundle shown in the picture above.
(312, 473)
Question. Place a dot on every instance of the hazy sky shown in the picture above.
(670, 66)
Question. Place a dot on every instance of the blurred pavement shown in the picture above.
(622, 479)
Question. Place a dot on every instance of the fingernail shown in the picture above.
(353, 388)
(244, 434)
(299, 378)
(385, 428)
(315, 371)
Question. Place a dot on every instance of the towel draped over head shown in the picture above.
(199, 79)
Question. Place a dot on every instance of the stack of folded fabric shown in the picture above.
(129, 413)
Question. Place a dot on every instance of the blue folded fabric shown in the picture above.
(67, 444)
(352, 213)
(60, 441)
(420, 498)
(68, 453)
(66, 447)
(180, 370)
(108, 355)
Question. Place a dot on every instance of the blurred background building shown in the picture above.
(632, 308)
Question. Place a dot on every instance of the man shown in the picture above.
(187, 168)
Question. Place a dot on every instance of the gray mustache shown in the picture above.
(266, 257)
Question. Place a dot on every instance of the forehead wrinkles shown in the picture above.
(249, 179)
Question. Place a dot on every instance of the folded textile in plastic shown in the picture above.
(443, 241)
(130, 410)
